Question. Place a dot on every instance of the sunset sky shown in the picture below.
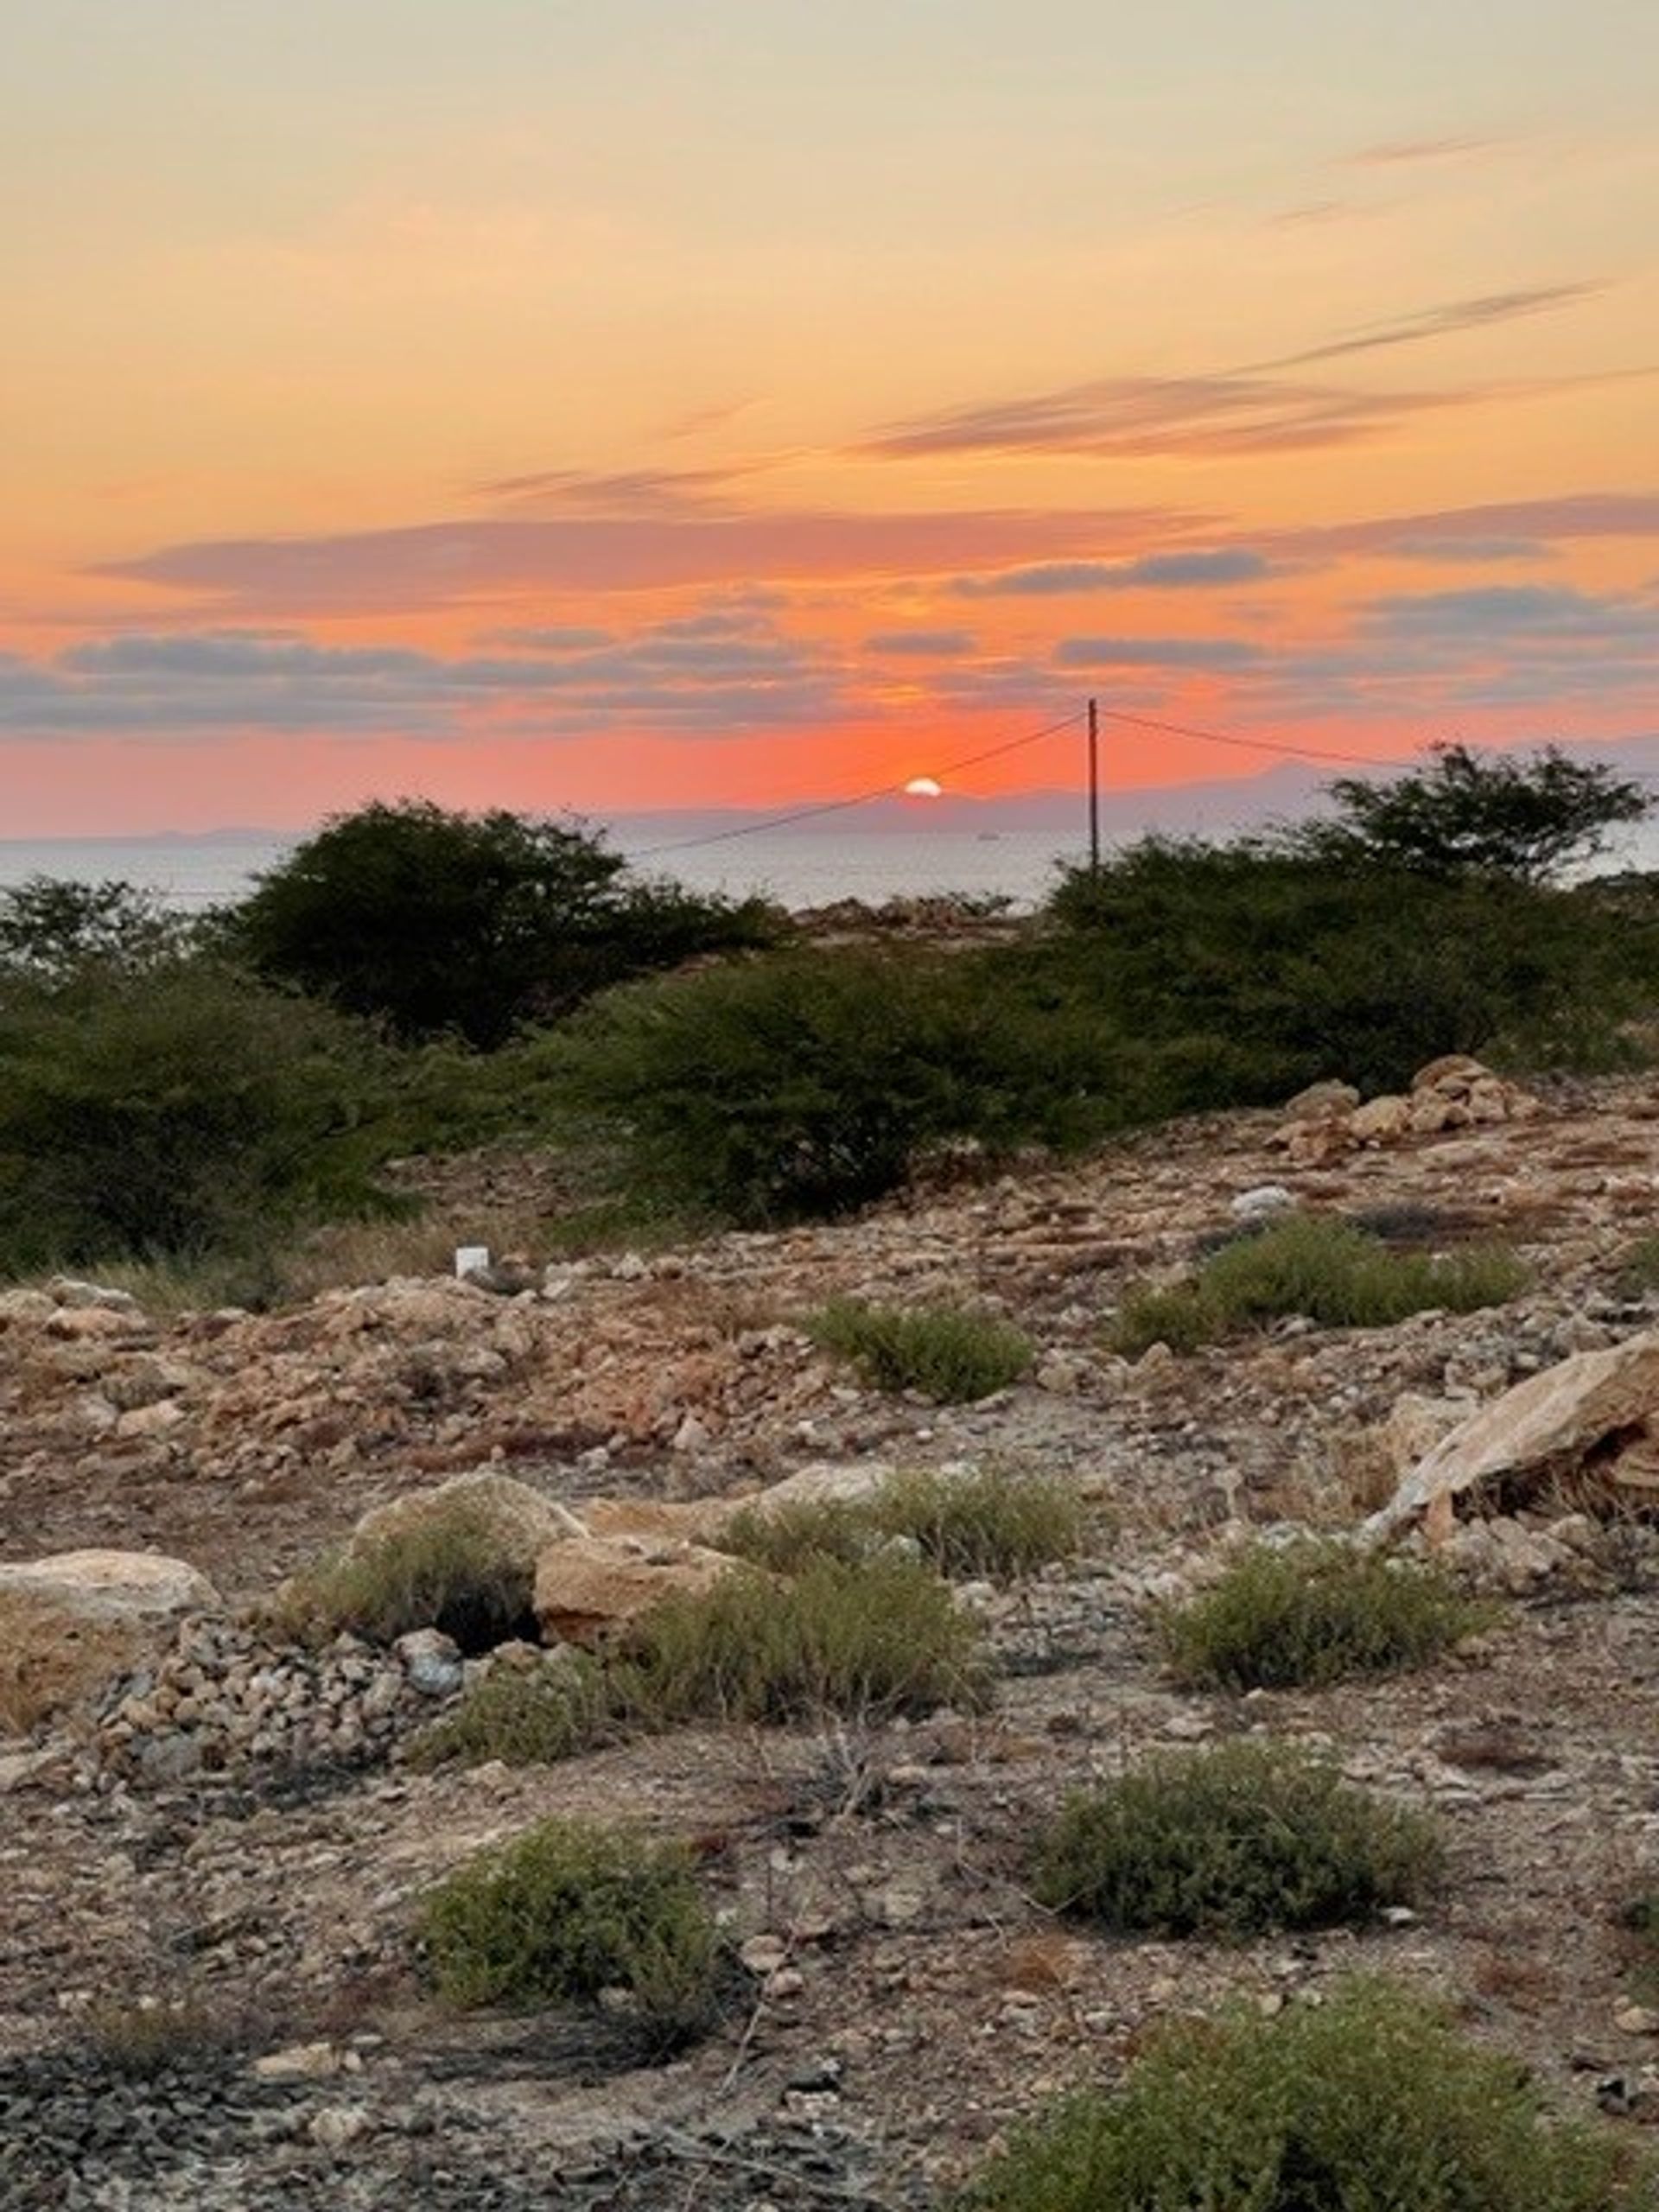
(614, 403)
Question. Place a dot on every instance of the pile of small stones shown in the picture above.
(224, 1699)
(214, 2135)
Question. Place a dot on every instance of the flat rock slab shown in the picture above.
(1596, 1413)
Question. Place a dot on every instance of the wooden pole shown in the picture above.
(1094, 788)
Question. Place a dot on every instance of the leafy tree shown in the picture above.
(1469, 812)
(470, 924)
(49, 926)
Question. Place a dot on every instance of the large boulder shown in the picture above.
(519, 1522)
(71, 1621)
(1590, 1423)
(588, 1587)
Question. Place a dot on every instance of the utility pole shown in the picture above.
(1094, 788)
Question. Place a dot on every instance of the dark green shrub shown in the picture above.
(1320, 1266)
(1231, 1842)
(449, 1572)
(473, 924)
(1639, 1268)
(868, 1642)
(1284, 965)
(1370, 2102)
(568, 1704)
(947, 1353)
(178, 1111)
(571, 1910)
(986, 1522)
(1311, 1613)
(865, 1641)
(810, 1083)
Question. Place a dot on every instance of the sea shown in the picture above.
(798, 868)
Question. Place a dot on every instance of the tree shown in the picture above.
(50, 927)
(1477, 813)
(471, 924)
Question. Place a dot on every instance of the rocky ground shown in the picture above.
(904, 2000)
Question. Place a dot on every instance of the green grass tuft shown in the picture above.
(865, 1642)
(986, 1522)
(1231, 1842)
(1319, 1266)
(447, 1571)
(569, 1910)
(949, 1355)
(1371, 2101)
(1315, 1612)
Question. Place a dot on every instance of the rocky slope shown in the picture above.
(906, 1999)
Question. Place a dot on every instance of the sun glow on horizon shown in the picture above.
(924, 787)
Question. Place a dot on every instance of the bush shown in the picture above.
(865, 1642)
(567, 1704)
(1371, 2101)
(1318, 1266)
(473, 923)
(571, 1910)
(447, 1571)
(949, 1355)
(808, 1084)
(1311, 1613)
(986, 1522)
(1267, 966)
(1231, 1842)
(175, 1112)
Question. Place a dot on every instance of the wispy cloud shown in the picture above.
(1157, 652)
(1481, 313)
(1140, 417)
(1198, 570)
(921, 644)
(1403, 153)
(715, 672)
(484, 561)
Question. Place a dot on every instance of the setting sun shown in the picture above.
(924, 787)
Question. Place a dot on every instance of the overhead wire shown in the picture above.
(859, 799)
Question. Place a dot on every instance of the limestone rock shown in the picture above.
(1595, 1415)
(586, 1587)
(521, 1521)
(1381, 1121)
(1322, 1102)
(69, 1622)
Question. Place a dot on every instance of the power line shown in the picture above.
(1252, 744)
(860, 798)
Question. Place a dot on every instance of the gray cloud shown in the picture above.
(479, 562)
(923, 645)
(1514, 613)
(717, 672)
(1397, 153)
(1156, 652)
(1152, 571)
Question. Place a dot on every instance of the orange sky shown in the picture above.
(630, 405)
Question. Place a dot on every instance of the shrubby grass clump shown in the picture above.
(446, 1571)
(865, 1641)
(572, 1909)
(984, 1523)
(1320, 1267)
(1231, 1842)
(947, 1353)
(1310, 1613)
(1370, 2102)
